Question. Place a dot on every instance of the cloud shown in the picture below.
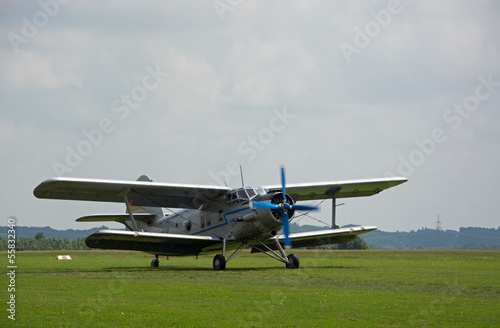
(31, 71)
(353, 120)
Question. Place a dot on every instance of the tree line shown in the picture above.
(356, 243)
(40, 243)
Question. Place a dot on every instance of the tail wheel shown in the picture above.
(219, 262)
(293, 262)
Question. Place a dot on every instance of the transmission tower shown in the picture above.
(439, 229)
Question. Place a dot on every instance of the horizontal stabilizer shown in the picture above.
(144, 217)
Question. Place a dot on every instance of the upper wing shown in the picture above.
(349, 188)
(157, 243)
(141, 193)
(319, 238)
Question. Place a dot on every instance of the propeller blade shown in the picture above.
(283, 188)
(285, 217)
(304, 208)
(286, 231)
(265, 205)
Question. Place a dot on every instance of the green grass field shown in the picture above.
(331, 289)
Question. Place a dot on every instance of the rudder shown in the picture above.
(145, 209)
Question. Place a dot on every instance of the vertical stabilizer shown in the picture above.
(143, 209)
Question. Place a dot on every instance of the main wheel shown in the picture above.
(293, 262)
(219, 262)
(155, 263)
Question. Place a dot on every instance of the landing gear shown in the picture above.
(219, 262)
(293, 262)
(220, 259)
(156, 262)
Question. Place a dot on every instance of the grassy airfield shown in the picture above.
(332, 288)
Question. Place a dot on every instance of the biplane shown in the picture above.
(212, 219)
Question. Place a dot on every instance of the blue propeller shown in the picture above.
(286, 207)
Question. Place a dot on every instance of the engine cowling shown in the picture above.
(271, 217)
(278, 199)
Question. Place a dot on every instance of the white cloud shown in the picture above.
(353, 120)
(29, 70)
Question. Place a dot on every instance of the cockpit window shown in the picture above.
(260, 191)
(241, 195)
(251, 192)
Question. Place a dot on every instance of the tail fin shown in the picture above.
(144, 209)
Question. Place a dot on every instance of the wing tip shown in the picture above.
(41, 191)
(401, 179)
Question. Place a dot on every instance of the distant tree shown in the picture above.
(356, 243)
(45, 244)
(39, 236)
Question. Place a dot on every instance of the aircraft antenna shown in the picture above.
(241, 173)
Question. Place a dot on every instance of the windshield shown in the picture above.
(244, 194)
(247, 193)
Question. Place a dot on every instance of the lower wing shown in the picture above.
(178, 244)
(151, 242)
(321, 237)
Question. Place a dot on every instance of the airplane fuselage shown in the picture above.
(231, 222)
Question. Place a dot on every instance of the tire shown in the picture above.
(219, 262)
(293, 262)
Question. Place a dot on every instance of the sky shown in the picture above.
(184, 91)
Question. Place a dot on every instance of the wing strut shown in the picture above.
(334, 193)
(129, 209)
